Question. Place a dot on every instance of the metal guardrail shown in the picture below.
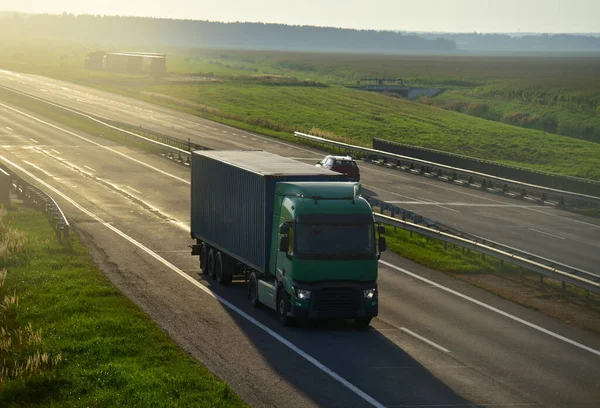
(470, 178)
(543, 266)
(591, 284)
(36, 198)
(415, 218)
(527, 175)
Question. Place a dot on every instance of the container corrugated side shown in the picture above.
(232, 208)
(228, 209)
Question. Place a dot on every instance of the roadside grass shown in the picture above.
(275, 93)
(111, 353)
(569, 114)
(358, 117)
(448, 259)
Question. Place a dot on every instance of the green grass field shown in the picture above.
(111, 353)
(277, 92)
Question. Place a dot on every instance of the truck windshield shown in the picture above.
(335, 240)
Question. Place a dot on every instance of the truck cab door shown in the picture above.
(285, 256)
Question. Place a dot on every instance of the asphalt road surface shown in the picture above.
(562, 236)
(437, 342)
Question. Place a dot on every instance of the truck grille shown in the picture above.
(332, 299)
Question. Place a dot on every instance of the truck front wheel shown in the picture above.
(283, 307)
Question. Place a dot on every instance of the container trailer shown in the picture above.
(301, 237)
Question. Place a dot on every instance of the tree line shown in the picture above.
(191, 33)
(505, 42)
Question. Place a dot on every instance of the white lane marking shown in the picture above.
(244, 136)
(545, 233)
(55, 151)
(33, 165)
(97, 144)
(206, 290)
(431, 343)
(438, 205)
(458, 204)
(253, 138)
(387, 191)
(224, 131)
(527, 207)
(9, 128)
(494, 309)
(133, 189)
(235, 134)
(34, 141)
(271, 140)
(479, 404)
(89, 168)
(565, 218)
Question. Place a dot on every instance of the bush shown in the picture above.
(13, 243)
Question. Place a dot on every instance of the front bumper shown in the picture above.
(335, 300)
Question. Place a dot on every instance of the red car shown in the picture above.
(341, 164)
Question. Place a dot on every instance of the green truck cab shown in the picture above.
(321, 243)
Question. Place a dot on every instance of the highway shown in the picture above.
(562, 236)
(437, 342)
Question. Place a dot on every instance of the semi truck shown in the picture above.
(301, 237)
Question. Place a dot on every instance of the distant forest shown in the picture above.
(189, 33)
(504, 42)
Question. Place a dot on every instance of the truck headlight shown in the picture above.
(370, 293)
(302, 294)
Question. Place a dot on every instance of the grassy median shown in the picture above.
(75, 340)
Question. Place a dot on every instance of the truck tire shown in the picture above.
(210, 264)
(223, 269)
(253, 290)
(203, 259)
(362, 322)
(283, 306)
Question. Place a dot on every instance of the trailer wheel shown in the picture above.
(223, 269)
(203, 259)
(210, 267)
(283, 306)
(253, 290)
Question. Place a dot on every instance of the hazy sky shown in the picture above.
(410, 15)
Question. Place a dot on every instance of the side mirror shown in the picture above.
(284, 243)
(382, 244)
(284, 229)
(381, 229)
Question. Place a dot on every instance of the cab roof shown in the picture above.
(320, 190)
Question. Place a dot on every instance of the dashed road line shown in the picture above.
(425, 340)
(545, 233)
(494, 309)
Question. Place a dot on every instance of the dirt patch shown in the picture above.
(573, 308)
